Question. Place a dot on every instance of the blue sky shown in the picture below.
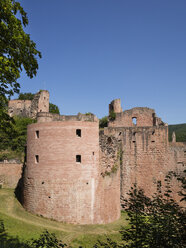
(94, 51)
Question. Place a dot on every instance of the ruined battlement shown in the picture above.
(48, 117)
(136, 117)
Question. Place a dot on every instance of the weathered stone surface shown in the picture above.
(59, 187)
(76, 174)
(28, 108)
(10, 173)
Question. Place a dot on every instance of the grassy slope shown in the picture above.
(180, 130)
(19, 222)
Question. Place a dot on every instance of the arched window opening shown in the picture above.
(134, 120)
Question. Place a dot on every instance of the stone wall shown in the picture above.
(48, 117)
(10, 173)
(19, 108)
(62, 179)
(110, 162)
(140, 117)
(28, 108)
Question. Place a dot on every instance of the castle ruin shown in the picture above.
(79, 174)
(30, 108)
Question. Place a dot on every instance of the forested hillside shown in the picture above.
(180, 130)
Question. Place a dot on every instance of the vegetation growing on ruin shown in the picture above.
(180, 130)
(103, 122)
(112, 115)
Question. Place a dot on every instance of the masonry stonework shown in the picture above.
(78, 174)
(30, 108)
(10, 174)
(63, 178)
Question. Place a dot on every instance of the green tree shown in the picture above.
(53, 108)
(17, 52)
(153, 222)
(26, 96)
(103, 122)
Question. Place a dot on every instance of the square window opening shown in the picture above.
(36, 159)
(78, 158)
(78, 132)
(37, 134)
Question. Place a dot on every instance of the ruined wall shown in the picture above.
(19, 107)
(10, 173)
(140, 117)
(57, 183)
(115, 106)
(28, 108)
(48, 117)
(148, 157)
(110, 161)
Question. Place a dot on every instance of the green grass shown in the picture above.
(25, 225)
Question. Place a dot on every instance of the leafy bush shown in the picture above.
(154, 222)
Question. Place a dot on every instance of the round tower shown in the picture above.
(62, 175)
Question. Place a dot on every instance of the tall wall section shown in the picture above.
(147, 154)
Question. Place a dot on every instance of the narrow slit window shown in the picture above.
(78, 158)
(78, 132)
(37, 134)
(36, 159)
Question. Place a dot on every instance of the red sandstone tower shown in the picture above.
(63, 179)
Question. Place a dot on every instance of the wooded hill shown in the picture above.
(180, 130)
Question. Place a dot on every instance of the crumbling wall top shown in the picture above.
(48, 117)
(139, 116)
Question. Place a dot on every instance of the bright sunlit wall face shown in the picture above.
(62, 172)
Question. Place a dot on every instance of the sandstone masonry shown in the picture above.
(78, 174)
(28, 108)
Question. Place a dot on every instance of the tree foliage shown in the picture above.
(53, 108)
(180, 130)
(153, 222)
(103, 122)
(26, 96)
(17, 50)
(112, 116)
(13, 141)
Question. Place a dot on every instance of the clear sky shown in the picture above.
(94, 51)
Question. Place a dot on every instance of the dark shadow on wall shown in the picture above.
(19, 188)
